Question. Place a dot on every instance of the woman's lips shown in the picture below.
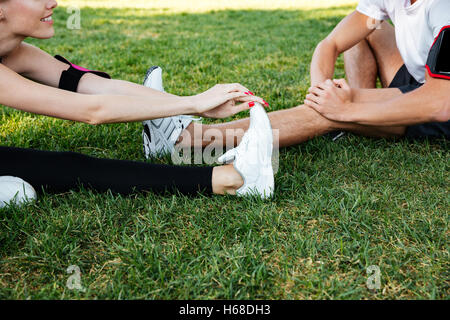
(48, 19)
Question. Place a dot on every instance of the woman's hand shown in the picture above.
(332, 99)
(225, 100)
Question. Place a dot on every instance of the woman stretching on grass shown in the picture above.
(33, 81)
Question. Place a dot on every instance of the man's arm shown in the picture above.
(429, 103)
(350, 31)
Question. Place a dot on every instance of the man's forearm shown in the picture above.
(323, 62)
(420, 106)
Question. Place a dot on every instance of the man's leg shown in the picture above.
(376, 56)
(361, 67)
(294, 126)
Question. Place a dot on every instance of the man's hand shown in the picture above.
(429, 103)
(332, 99)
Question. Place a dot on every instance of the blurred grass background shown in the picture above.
(207, 5)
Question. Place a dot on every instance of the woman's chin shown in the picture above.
(46, 35)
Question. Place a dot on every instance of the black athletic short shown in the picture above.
(404, 81)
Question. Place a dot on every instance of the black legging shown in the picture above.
(63, 171)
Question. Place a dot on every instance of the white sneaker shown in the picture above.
(253, 157)
(15, 191)
(160, 135)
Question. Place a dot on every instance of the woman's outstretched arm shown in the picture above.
(24, 94)
(41, 67)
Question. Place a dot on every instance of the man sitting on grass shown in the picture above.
(412, 62)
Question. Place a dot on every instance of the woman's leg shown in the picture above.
(15, 190)
(64, 171)
(226, 180)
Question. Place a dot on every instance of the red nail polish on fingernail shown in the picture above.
(251, 93)
(246, 93)
(251, 104)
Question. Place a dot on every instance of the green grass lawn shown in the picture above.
(338, 208)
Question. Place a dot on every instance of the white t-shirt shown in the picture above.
(416, 27)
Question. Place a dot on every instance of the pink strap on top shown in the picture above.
(99, 73)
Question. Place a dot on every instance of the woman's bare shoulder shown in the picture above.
(35, 64)
(15, 59)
